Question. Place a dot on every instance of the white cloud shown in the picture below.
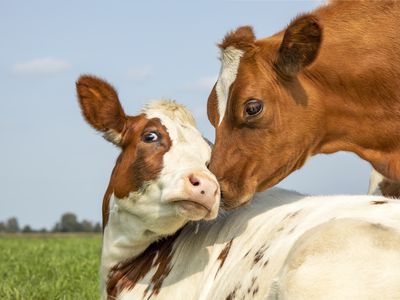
(41, 66)
(140, 73)
(203, 84)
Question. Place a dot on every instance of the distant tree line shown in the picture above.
(68, 223)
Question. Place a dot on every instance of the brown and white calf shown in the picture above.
(328, 82)
(314, 248)
(160, 180)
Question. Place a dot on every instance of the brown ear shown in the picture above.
(101, 107)
(300, 45)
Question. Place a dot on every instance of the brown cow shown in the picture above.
(329, 82)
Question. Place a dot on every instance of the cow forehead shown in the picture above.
(230, 60)
(173, 116)
(181, 128)
(171, 109)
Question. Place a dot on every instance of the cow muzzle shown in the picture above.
(199, 196)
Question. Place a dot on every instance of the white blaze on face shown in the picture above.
(230, 59)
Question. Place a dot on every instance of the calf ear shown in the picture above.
(101, 107)
(299, 46)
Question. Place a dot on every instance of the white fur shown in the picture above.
(374, 180)
(122, 231)
(291, 238)
(230, 60)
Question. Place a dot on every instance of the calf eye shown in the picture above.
(150, 137)
(253, 107)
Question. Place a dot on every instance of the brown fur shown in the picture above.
(299, 46)
(390, 188)
(329, 82)
(242, 38)
(138, 161)
(127, 274)
(223, 255)
(97, 100)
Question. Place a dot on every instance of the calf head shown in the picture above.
(161, 175)
(265, 121)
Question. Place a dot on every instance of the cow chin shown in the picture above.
(193, 211)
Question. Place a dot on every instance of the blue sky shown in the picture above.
(50, 160)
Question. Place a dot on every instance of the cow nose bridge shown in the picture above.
(218, 159)
(215, 168)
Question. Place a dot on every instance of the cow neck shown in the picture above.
(128, 273)
(131, 250)
(359, 117)
(125, 236)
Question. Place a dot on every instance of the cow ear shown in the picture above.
(300, 45)
(101, 107)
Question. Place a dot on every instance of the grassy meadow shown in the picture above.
(49, 266)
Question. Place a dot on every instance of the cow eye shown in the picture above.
(253, 107)
(150, 137)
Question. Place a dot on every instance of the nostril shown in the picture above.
(194, 181)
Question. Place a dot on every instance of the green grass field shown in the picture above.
(49, 266)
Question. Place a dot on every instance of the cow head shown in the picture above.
(161, 176)
(265, 121)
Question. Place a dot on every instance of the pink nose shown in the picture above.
(202, 189)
